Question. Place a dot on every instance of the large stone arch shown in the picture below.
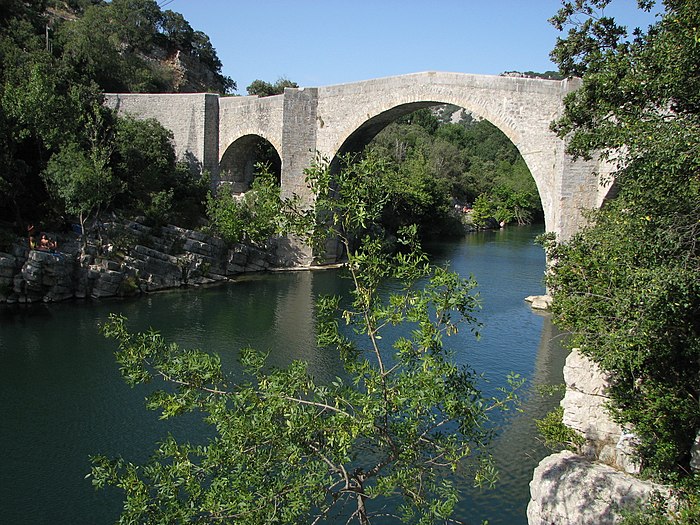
(522, 109)
(363, 135)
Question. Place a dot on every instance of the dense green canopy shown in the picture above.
(628, 286)
(56, 58)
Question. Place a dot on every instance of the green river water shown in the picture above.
(62, 399)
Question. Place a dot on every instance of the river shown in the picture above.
(62, 399)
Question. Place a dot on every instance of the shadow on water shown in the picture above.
(62, 399)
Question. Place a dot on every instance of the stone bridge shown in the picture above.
(221, 134)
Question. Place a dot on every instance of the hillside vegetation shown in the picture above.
(627, 286)
(62, 154)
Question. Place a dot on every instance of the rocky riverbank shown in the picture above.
(127, 259)
(593, 485)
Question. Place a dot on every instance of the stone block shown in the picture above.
(626, 456)
(233, 269)
(540, 302)
(583, 375)
(111, 277)
(240, 258)
(197, 247)
(588, 415)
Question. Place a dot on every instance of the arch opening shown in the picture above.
(237, 167)
(363, 135)
(469, 158)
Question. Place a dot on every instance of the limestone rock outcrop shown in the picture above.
(132, 258)
(591, 487)
(585, 410)
(569, 489)
(539, 302)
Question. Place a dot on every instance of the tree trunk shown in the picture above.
(361, 510)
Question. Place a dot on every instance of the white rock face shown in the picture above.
(695, 454)
(585, 400)
(568, 489)
(585, 410)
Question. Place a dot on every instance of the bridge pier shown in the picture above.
(298, 140)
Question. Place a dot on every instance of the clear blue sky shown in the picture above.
(325, 42)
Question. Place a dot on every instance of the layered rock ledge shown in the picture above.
(130, 259)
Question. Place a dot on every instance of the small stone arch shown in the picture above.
(237, 165)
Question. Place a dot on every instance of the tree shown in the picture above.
(144, 159)
(81, 178)
(178, 31)
(627, 286)
(82, 181)
(290, 450)
(253, 217)
(47, 100)
(445, 162)
(261, 88)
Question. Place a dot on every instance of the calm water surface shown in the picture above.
(61, 397)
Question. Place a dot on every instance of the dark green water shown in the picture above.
(61, 397)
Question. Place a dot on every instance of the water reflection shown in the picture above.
(517, 449)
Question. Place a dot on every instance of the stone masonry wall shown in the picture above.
(192, 117)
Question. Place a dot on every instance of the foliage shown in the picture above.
(253, 217)
(143, 159)
(556, 434)
(504, 205)
(50, 92)
(658, 511)
(290, 450)
(80, 176)
(82, 181)
(547, 75)
(627, 286)
(109, 44)
(261, 88)
(416, 196)
(440, 162)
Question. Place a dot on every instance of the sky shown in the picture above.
(324, 42)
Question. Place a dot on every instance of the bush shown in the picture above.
(556, 434)
(253, 217)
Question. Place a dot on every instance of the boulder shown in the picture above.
(540, 302)
(568, 489)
